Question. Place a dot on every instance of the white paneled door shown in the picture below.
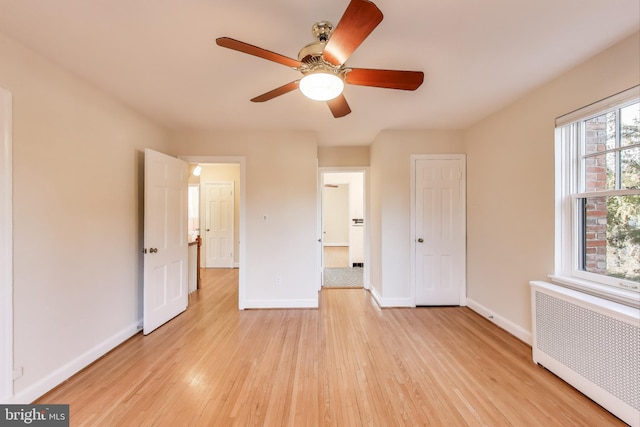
(218, 233)
(439, 230)
(165, 239)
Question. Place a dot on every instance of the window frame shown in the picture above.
(569, 191)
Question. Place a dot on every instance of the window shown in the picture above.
(598, 197)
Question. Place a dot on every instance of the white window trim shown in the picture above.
(566, 220)
(596, 108)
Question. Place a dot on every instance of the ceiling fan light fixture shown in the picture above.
(321, 86)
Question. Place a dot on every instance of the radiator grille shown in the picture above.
(602, 349)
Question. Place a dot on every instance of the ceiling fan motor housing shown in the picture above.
(321, 31)
(311, 54)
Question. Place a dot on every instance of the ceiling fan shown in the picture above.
(322, 63)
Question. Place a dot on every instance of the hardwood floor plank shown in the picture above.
(347, 363)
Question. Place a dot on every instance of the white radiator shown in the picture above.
(592, 344)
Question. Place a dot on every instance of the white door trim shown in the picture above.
(463, 192)
(242, 252)
(367, 214)
(6, 247)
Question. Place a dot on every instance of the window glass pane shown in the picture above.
(611, 236)
(600, 172)
(630, 168)
(630, 125)
(600, 133)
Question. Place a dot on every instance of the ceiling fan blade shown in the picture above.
(277, 92)
(390, 79)
(339, 106)
(257, 51)
(357, 22)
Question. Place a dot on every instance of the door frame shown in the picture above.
(463, 207)
(242, 253)
(6, 246)
(367, 259)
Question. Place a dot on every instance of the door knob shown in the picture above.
(420, 240)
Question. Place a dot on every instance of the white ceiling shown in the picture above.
(160, 56)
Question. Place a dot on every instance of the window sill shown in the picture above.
(628, 298)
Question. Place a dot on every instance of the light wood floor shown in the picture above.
(348, 363)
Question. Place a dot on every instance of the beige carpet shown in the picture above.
(342, 278)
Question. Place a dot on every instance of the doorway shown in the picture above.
(228, 169)
(344, 248)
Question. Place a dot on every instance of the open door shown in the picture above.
(165, 239)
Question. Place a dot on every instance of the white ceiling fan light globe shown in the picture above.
(321, 86)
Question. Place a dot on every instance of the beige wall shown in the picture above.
(510, 183)
(77, 177)
(343, 156)
(391, 206)
(336, 220)
(281, 183)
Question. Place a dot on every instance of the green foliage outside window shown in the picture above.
(623, 218)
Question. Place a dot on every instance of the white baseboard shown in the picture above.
(280, 303)
(65, 372)
(375, 295)
(389, 302)
(515, 330)
(396, 302)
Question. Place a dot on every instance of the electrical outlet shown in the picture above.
(278, 280)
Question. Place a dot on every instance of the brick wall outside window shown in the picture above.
(596, 207)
